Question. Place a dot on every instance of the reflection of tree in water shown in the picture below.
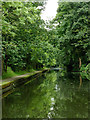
(52, 95)
(31, 100)
(71, 102)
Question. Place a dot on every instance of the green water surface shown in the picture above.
(52, 95)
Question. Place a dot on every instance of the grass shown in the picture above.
(11, 73)
(8, 74)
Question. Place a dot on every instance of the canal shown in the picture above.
(52, 95)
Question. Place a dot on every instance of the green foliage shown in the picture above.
(88, 68)
(9, 73)
(26, 44)
(25, 40)
(73, 30)
(83, 68)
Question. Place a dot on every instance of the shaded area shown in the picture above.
(53, 95)
(10, 84)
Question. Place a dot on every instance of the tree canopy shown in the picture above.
(25, 40)
(26, 43)
(73, 33)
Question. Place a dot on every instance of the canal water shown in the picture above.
(52, 95)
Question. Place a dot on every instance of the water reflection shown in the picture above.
(51, 96)
(80, 81)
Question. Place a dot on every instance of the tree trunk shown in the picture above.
(80, 63)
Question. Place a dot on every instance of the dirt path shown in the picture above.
(12, 79)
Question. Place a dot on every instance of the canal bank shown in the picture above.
(11, 83)
(52, 95)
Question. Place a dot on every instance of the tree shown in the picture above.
(18, 28)
(25, 40)
(73, 39)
